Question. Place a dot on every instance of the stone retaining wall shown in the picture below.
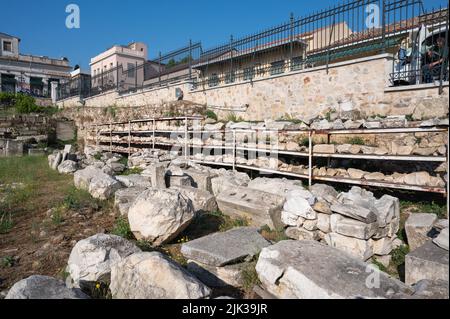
(358, 86)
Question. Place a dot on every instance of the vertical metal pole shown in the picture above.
(190, 59)
(110, 137)
(186, 138)
(117, 76)
(231, 60)
(135, 77)
(383, 28)
(291, 54)
(310, 159)
(154, 129)
(234, 150)
(448, 182)
(129, 137)
(159, 69)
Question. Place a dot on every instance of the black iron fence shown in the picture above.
(352, 29)
(422, 58)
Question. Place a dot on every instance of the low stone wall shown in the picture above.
(359, 87)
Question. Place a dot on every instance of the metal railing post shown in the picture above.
(383, 27)
(310, 159)
(190, 59)
(159, 69)
(186, 138)
(153, 134)
(129, 137)
(234, 149)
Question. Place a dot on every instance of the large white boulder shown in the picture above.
(159, 215)
(151, 275)
(91, 258)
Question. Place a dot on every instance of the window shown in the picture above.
(131, 70)
(7, 46)
(260, 71)
(249, 73)
(213, 80)
(230, 77)
(296, 63)
(277, 68)
(111, 65)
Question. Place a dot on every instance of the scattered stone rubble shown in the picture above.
(402, 144)
(335, 234)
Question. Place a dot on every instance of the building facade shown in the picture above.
(29, 74)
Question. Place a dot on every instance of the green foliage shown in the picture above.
(425, 207)
(98, 156)
(7, 262)
(122, 228)
(250, 276)
(7, 99)
(290, 118)
(6, 223)
(77, 199)
(111, 111)
(58, 216)
(356, 140)
(232, 117)
(276, 235)
(409, 118)
(132, 171)
(380, 266)
(399, 254)
(211, 115)
(172, 62)
(303, 141)
(123, 161)
(26, 104)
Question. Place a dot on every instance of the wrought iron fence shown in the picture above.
(422, 57)
(351, 29)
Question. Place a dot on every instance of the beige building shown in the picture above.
(127, 56)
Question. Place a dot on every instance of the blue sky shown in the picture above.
(163, 25)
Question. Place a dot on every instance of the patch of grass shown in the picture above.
(290, 118)
(232, 117)
(409, 118)
(7, 262)
(273, 235)
(425, 207)
(304, 141)
(6, 223)
(399, 254)
(99, 290)
(122, 228)
(356, 140)
(98, 156)
(123, 161)
(132, 171)
(57, 217)
(250, 276)
(211, 115)
(77, 199)
(380, 266)
(229, 223)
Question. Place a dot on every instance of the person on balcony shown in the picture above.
(433, 61)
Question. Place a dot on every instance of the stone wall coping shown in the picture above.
(415, 87)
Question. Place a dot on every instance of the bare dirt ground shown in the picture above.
(42, 219)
